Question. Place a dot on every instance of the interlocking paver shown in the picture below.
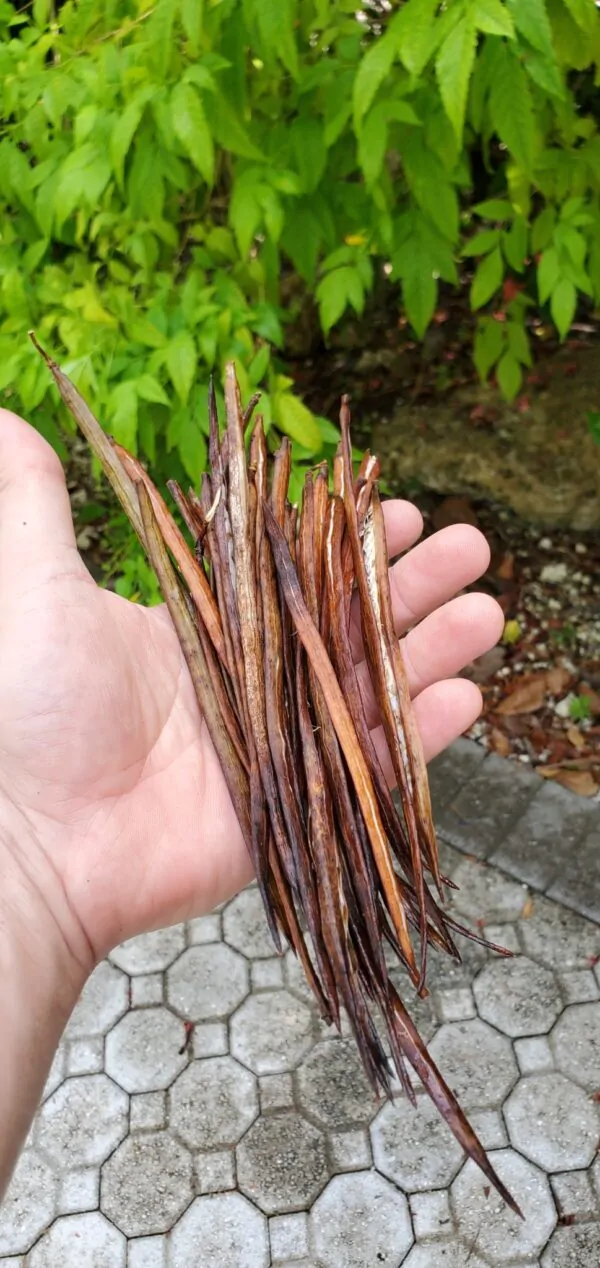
(431, 1214)
(271, 1032)
(276, 1091)
(282, 1163)
(229, 1230)
(29, 1205)
(289, 1236)
(518, 997)
(575, 1041)
(204, 929)
(442, 1254)
(147, 1184)
(488, 1226)
(476, 1061)
(75, 1239)
(79, 1191)
(84, 1056)
(332, 1087)
(485, 894)
(215, 1172)
(104, 999)
(245, 927)
(578, 882)
(534, 1055)
(83, 1121)
(350, 1150)
(360, 1219)
(148, 1112)
(150, 952)
(213, 1103)
(553, 1122)
(147, 1252)
(453, 768)
(579, 986)
(575, 1196)
(576, 1247)
(559, 938)
(211, 1039)
(414, 1147)
(207, 982)
(544, 837)
(479, 815)
(489, 1126)
(147, 989)
(146, 1050)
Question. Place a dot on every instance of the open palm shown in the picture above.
(104, 757)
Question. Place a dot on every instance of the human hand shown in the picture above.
(110, 791)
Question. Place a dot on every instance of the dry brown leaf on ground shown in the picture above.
(527, 697)
(578, 781)
(557, 679)
(576, 738)
(527, 911)
(593, 697)
(499, 742)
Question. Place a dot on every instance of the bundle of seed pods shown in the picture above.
(268, 602)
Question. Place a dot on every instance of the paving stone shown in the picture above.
(444, 973)
(215, 1172)
(204, 929)
(485, 894)
(574, 1195)
(476, 1061)
(578, 987)
(267, 975)
(104, 999)
(29, 1204)
(414, 1147)
(83, 1121)
(575, 1247)
(553, 1122)
(230, 1231)
(289, 1236)
(57, 1071)
(518, 997)
(213, 1103)
(534, 1055)
(423, 1011)
(451, 769)
(575, 1041)
(489, 1126)
(578, 882)
(245, 926)
(456, 1005)
(504, 937)
(148, 1112)
(210, 1040)
(360, 1219)
(147, 1252)
(431, 1214)
(442, 1254)
(75, 1239)
(543, 838)
(271, 1032)
(487, 1224)
(477, 818)
(282, 1163)
(85, 1056)
(276, 1092)
(79, 1191)
(150, 952)
(350, 1151)
(147, 1184)
(144, 1051)
(294, 976)
(146, 990)
(207, 982)
(558, 937)
(333, 1088)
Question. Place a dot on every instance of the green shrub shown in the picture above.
(163, 166)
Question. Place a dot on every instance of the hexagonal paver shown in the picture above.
(332, 1086)
(414, 1147)
(485, 894)
(444, 973)
(150, 952)
(78, 1239)
(227, 1228)
(29, 1204)
(446, 1254)
(213, 1103)
(574, 1247)
(575, 1041)
(559, 937)
(282, 1163)
(245, 926)
(147, 1184)
(105, 998)
(83, 1121)
(487, 1226)
(271, 1032)
(518, 997)
(146, 1050)
(553, 1122)
(208, 982)
(360, 1219)
(476, 1061)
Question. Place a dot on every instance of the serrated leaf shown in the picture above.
(481, 243)
(191, 128)
(544, 72)
(509, 375)
(514, 243)
(563, 303)
(372, 143)
(489, 343)
(548, 273)
(584, 13)
(518, 342)
(494, 209)
(531, 20)
(228, 130)
(259, 365)
(122, 414)
(291, 416)
(542, 229)
(333, 297)
(372, 71)
(419, 292)
(244, 215)
(181, 361)
(414, 30)
(149, 389)
(191, 447)
(124, 131)
(192, 21)
(454, 64)
(492, 17)
(276, 21)
(487, 279)
(511, 108)
(310, 151)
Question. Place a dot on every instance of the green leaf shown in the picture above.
(229, 131)
(511, 108)
(150, 389)
(414, 30)
(531, 20)
(494, 209)
(124, 131)
(291, 416)
(509, 375)
(518, 342)
(514, 243)
(544, 73)
(259, 365)
(487, 279)
(481, 243)
(563, 303)
(310, 151)
(419, 292)
(181, 363)
(489, 343)
(542, 229)
(192, 21)
(191, 128)
(244, 215)
(372, 143)
(584, 13)
(41, 12)
(122, 414)
(276, 21)
(454, 64)
(492, 17)
(548, 273)
(332, 294)
(191, 447)
(374, 67)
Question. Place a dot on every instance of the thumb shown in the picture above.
(37, 539)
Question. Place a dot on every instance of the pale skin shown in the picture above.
(114, 814)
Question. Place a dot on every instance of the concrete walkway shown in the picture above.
(199, 1115)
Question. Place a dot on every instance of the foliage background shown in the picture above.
(166, 168)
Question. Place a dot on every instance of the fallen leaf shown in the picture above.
(527, 909)
(576, 738)
(526, 698)
(512, 632)
(487, 665)
(499, 742)
(578, 781)
(454, 510)
(507, 567)
(557, 679)
(592, 696)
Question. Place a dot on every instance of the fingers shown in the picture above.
(443, 711)
(37, 539)
(441, 645)
(403, 525)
